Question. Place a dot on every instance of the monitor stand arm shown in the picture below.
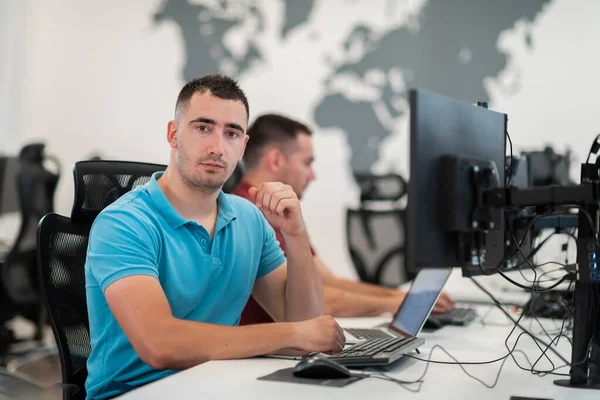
(585, 356)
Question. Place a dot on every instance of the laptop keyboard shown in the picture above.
(368, 333)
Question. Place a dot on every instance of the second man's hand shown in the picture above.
(444, 303)
(280, 206)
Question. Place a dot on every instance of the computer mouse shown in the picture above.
(319, 367)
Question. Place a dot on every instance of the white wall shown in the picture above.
(98, 76)
(13, 23)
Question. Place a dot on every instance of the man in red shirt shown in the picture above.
(280, 149)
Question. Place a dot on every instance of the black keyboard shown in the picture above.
(369, 333)
(377, 351)
(456, 316)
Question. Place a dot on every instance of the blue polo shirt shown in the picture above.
(206, 280)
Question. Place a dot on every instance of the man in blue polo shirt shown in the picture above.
(171, 265)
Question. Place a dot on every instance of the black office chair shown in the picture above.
(62, 246)
(375, 232)
(35, 186)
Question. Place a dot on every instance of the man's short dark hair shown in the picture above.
(220, 86)
(268, 130)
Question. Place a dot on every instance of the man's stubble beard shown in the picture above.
(197, 183)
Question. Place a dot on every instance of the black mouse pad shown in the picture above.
(287, 375)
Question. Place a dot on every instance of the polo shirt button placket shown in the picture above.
(204, 245)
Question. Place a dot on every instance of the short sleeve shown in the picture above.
(120, 245)
(271, 255)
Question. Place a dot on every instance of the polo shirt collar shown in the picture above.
(225, 214)
(226, 211)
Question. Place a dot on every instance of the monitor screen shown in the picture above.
(419, 301)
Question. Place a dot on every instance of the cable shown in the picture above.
(518, 245)
(531, 370)
(524, 256)
(511, 352)
(379, 375)
(549, 271)
(499, 305)
(588, 216)
(460, 364)
(541, 244)
(533, 289)
(560, 334)
(545, 213)
(537, 248)
(527, 229)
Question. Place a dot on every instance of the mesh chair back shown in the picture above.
(62, 249)
(98, 183)
(388, 187)
(375, 231)
(62, 253)
(376, 243)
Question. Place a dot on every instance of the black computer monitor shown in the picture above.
(450, 137)
(549, 168)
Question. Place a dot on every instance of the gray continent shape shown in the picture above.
(431, 53)
(199, 60)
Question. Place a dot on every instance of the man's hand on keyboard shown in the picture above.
(443, 304)
(321, 334)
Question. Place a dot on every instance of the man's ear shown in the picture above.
(244, 148)
(274, 159)
(172, 133)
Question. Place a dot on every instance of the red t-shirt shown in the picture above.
(254, 313)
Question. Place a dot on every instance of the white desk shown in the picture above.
(238, 378)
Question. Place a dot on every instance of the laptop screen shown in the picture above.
(419, 301)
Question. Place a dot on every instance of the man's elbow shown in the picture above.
(157, 358)
(153, 353)
(163, 354)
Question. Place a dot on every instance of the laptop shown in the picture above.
(413, 311)
(382, 346)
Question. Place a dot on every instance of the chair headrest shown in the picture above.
(33, 153)
(386, 187)
(98, 183)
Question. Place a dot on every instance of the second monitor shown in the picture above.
(445, 228)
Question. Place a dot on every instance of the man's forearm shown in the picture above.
(342, 303)
(304, 287)
(363, 288)
(183, 344)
